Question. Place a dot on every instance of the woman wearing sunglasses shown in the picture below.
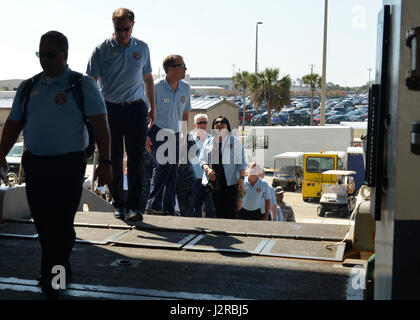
(223, 160)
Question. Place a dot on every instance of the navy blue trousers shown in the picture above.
(53, 189)
(127, 124)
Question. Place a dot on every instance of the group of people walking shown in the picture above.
(59, 110)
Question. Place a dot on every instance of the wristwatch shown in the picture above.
(104, 161)
(242, 177)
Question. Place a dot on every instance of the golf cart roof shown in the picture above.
(289, 154)
(340, 172)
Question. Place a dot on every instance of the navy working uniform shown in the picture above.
(273, 202)
(120, 72)
(164, 135)
(149, 164)
(55, 141)
(185, 192)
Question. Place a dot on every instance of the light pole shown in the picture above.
(256, 47)
(324, 67)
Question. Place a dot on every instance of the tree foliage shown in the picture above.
(267, 87)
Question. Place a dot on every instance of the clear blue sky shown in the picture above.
(211, 35)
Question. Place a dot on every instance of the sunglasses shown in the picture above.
(182, 65)
(122, 29)
(202, 122)
(48, 55)
(220, 122)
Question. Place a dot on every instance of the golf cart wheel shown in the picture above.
(305, 199)
(320, 211)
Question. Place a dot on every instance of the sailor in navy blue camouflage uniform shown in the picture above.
(55, 141)
(122, 67)
(185, 179)
(149, 165)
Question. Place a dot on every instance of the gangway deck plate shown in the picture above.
(97, 235)
(227, 243)
(155, 238)
(304, 249)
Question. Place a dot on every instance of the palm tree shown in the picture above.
(241, 82)
(266, 86)
(314, 81)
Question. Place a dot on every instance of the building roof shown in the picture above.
(206, 87)
(202, 104)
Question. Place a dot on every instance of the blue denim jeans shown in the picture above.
(163, 184)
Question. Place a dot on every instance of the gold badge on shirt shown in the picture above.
(60, 99)
(137, 55)
(183, 99)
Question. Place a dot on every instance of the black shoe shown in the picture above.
(154, 212)
(134, 215)
(119, 213)
(49, 291)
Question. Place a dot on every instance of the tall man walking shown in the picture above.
(122, 67)
(173, 103)
(47, 109)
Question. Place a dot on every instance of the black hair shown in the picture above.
(59, 37)
(224, 118)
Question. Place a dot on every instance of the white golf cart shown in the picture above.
(339, 197)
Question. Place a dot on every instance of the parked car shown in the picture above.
(248, 115)
(298, 119)
(360, 118)
(336, 119)
(354, 113)
(14, 157)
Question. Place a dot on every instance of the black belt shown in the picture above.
(127, 103)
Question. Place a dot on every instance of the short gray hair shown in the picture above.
(200, 116)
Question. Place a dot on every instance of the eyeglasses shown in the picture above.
(48, 55)
(122, 29)
(182, 65)
(202, 122)
(220, 122)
